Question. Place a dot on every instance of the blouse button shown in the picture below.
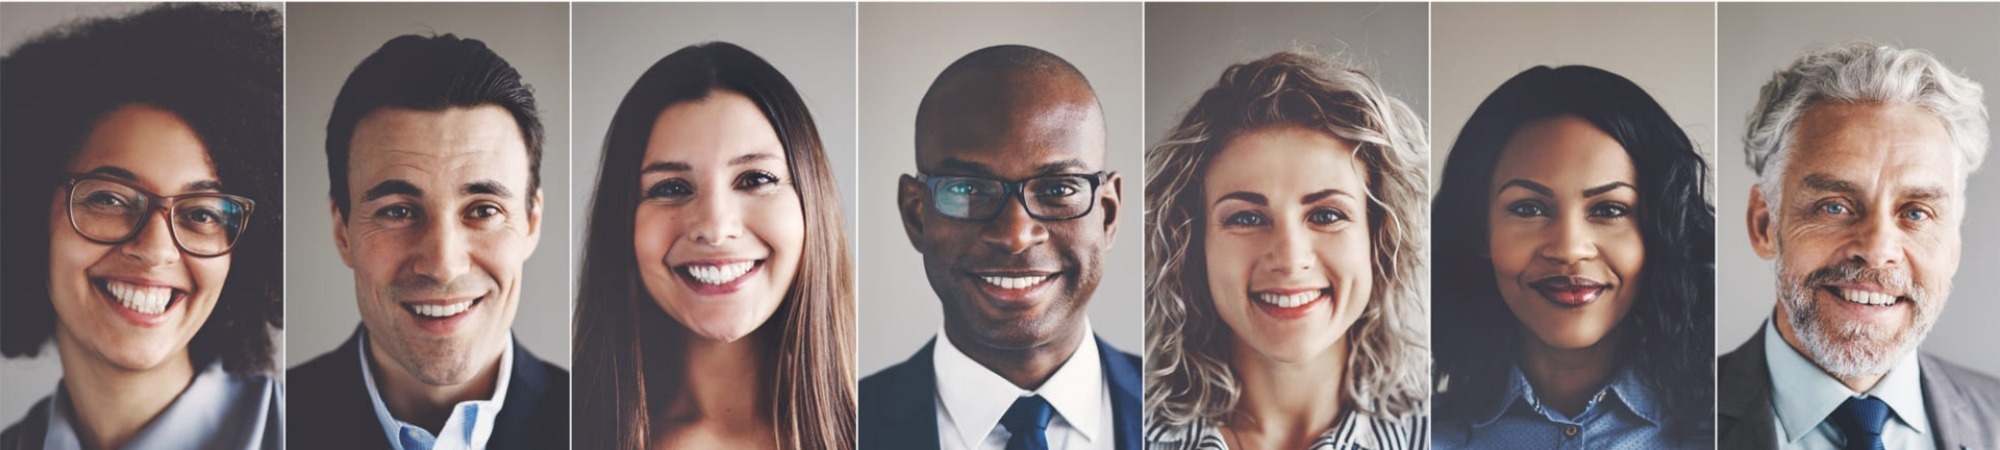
(1570, 431)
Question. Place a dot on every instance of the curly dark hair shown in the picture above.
(1670, 338)
(220, 68)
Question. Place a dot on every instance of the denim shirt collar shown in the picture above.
(1625, 391)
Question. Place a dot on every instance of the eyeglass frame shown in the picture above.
(1018, 191)
(157, 203)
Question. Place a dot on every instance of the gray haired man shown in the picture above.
(1862, 152)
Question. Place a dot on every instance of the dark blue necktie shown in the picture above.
(1861, 419)
(1028, 422)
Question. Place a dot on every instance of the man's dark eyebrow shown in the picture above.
(1064, 166)
(1316, 196)
(1252, 197)
(392, 187)
(487, 187)
(1821, 182)
(1607, 187)
(1529, 185)
(963, 166)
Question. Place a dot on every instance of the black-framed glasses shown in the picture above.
(111, 211)
(1047, 197)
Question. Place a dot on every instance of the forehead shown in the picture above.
(1867, 142)
(437, 146)
(723, 125)
(160, 149)
(1012, 129)
(1563, 151)
(1284, 160)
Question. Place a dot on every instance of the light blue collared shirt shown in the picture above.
(218, 410)
(471, 421)
(1802, 396)
(1624, 415)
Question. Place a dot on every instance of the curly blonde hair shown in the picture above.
(1189, 379)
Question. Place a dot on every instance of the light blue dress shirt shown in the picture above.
(471, 421)
(218, 410)
(1624, 415)
(1803, 396)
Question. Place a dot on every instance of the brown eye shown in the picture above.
(755, 179)
(670, 189)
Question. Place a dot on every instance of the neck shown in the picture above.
(427, 405)
(113, 403)
(1565, 379)
(723, 383)
(1026, 368)
(1857, 383)
(1286, 404)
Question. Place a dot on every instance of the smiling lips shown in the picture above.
(717, 277)
(1863, 296)
(1289, 303)
(149, 300)
(440, 310)
(1569, 291)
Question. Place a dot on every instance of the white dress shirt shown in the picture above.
(1803, 397)
(471, 421)
(971, 400)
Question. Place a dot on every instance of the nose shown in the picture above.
(1014, 230)
(443, 253)
(1293, 252)
(1571, 242)
(154, 245)
(714, 219)
(1878, 243)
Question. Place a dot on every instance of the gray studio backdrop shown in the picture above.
(1668, 49)
(903, 47)
(324, 43)
(28, 380)
(1759, 39)
(1189, 44)
(811, 43)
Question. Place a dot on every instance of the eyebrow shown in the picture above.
(1823, 182)
(487, 187)
(1050, 168)
(205, 185)
(392, 187)
(1317, 196)
(677, 166)
(1252, 197)
(1529, 185)
(1607, 187)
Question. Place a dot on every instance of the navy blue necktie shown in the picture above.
(1028, 422)
(1861, 419)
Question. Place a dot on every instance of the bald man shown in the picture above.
(1013, 212)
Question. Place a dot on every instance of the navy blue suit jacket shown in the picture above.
(334, 412)
(899, 404)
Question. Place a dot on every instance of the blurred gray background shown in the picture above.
(1760, 39)
(324, 42)
(811, 43)
(903, 47)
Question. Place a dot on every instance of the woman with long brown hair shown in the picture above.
(714, 250)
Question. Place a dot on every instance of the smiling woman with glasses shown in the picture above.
(146, 142)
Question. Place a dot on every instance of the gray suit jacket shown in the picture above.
(1964, 405)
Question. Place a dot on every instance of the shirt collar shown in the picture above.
(482, 413)
(1626, 390)
(976, 397)
(209, 399)
(1803, 395)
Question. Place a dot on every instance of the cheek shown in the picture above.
(1510, 249)
(210, 275)
(780, 222)
(1230, 260)
(653, 232)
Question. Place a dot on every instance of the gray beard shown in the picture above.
(1852, 350)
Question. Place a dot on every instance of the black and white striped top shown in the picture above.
(1355, 432)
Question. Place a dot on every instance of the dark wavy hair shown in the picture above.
(220, 68)
(1670, 339)
(623, 337)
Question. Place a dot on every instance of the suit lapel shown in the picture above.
(1947, 415)
(525, 388)
(912, 407)
(1123, 378)
(1743, 401)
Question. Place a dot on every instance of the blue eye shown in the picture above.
(1834, 208)
(1916, 215)
(1245, 219)
(1324, 216)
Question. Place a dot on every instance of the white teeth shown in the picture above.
(722, 274)
(1015, 282)
(434, 310)
(1866, 297)
(144, 299)
(1289, 301)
